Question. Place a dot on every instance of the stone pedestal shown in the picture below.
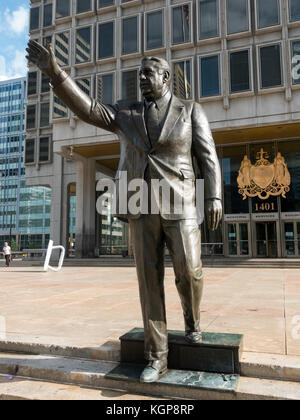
(212, 365)
(218, 353)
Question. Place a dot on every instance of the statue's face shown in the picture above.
(152, 80)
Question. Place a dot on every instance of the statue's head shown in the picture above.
(155, 77)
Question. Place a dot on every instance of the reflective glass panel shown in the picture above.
(154, 30)
(83, 45)
(34, 18)
(210, 81)
(106, 40)
(267, 13)
(182, 79)
(239, 71)
(47, 15)
(181, 24)
(62, 48)
(208, 18)
(44, 149)
(83, 6)
(270, 66)
(62, 8)
(294, 10)
(32, 83)
(129, 85)
(130, 35)
(237, 16)
(44, 115)
(105, 88)
(29, 150)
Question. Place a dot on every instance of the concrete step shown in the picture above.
(18, 388)
(256, 365)
(207, 262)
(92, 374)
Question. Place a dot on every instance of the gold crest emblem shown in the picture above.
(263, 178)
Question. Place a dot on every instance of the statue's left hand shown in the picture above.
(213, 211)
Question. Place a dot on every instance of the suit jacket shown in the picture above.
(184, 135)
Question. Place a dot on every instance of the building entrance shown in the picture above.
(266, 239)
(292, 239)
(237, 239)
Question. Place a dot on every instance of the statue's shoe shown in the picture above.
(154, 370)
(194, 337)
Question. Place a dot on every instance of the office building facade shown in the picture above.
(24, 211)
(239, 58)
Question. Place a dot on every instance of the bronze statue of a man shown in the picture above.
(159, 138)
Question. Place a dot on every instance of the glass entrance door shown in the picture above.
(266, 239)
(237, 239)
(292, 239)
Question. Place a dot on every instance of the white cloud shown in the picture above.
(16, 67)
(17, 20)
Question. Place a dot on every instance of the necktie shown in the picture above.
(153, 123)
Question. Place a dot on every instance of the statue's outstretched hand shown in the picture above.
(43, 58)
(213, 210)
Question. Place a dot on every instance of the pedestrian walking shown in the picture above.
(7, 254)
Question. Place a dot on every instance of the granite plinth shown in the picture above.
(178, 378)
(216, 353)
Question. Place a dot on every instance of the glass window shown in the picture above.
(29, 150)
(45, 83)
(237, 16)
(83, 6)
(267, 13)
(182, 79)
(208, 18)
(47, 40)
(32, 83)
(47, 15)
(59, 108)
(155, 33)
(62, 48)
(270, 66)
(44, 115)
(231, 163)
(130, 35)
(44, 149)
(210, 80)
(181, 18)
(62, 8)
(294, 10)
(129, 85)
(296, 62)
(105, 88)
(83, 45)
(85, 85)
(106, 40)
(34, 18)
(290, 150)
(105, 3)
(239, 71)
(31, 115)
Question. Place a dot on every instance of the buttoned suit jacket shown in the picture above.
(185, 134)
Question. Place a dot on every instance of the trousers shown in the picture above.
(150, 234)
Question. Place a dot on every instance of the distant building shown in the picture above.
(24, 211)
(239, 58)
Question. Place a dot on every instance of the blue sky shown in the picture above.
(13, 38)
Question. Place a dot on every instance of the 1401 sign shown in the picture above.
(264, 207)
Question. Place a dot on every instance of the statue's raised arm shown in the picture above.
(67, 90)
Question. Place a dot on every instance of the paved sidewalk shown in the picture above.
(90, 306)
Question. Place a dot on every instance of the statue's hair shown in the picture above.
(161, 63)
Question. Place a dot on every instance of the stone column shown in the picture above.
(85, 208)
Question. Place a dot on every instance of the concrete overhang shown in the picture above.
(108, 154)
